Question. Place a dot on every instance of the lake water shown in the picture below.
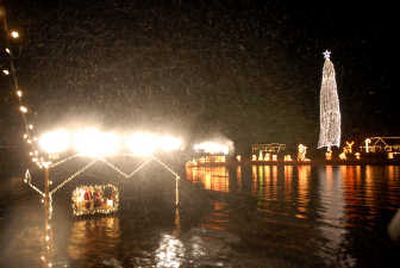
(252, 216)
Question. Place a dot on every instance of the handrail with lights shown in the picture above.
(91, 143)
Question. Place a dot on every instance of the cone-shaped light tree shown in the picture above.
(329, 134)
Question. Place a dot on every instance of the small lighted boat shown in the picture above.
(95, 199)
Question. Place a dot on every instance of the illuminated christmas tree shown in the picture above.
(329, 134)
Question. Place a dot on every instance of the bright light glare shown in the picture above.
(23, 109)
(212, 147)
(169, 143)
(14, 34)
(55, 141)
(146, 144)
(142, 143)
(93, 143)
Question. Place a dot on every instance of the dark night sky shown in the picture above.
(248, 70)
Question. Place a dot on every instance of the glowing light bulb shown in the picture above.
(19, 93)
(94, 143)
(142, 143)
(6, 72)
(55, 141)
(23, 109)
(15, 34)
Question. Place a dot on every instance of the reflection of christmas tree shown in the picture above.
(329, 134)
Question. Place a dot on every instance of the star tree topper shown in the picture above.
(327, 54)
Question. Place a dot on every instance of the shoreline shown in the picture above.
(318, 162)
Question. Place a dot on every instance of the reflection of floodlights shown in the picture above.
(93, 143)
(212, 147)
(55, 141)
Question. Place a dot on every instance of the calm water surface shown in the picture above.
(257, 216)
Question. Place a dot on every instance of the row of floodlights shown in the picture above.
(92, 142)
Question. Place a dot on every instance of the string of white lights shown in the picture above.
(13, 36)
(62, 161)
(166, 166)
(138, 168)
(330, 133)
(115, 168)
(73, 176)
(28, 181)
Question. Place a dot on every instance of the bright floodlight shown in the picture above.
(169, 143)
(212, 147)
(94, 143)
(55, 141)
(14, 34)
(23, 109)
(142, 143)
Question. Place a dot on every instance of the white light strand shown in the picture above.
(329, 107)
(28, 180)
(122, 173)
(11, 71)
(166, 167)
(73, 176)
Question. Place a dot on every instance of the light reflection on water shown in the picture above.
(283, 216)
(170, 253)
(88, 235)
(212, 178)
(323, 212)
